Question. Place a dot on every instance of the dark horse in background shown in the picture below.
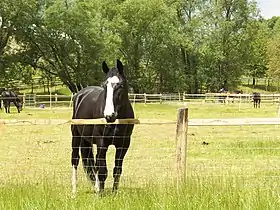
(110, 102)
(8, 97)
(231, 98)
(256, 99)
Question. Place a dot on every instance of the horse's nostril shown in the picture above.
(110, 118)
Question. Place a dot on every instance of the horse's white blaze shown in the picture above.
(74, 180)
(109, 105)
(97, 183)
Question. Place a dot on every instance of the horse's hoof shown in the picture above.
(114, 192)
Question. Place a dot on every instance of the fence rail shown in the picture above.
(55, 100)
(191, 122)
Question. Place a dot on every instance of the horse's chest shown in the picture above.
(105, 131)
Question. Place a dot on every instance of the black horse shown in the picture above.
(256, 99)
(231, 98)
(110, 101)
(8, 96)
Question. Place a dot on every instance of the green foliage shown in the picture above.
(274, 51)
(167, 46)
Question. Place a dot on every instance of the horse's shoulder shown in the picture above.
(92, 92)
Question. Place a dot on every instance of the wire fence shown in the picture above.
(39, 151)
(229, 148)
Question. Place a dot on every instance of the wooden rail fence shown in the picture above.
(55, 100)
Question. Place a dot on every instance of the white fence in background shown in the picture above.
(54, 100)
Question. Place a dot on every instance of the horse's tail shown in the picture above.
(88, 159)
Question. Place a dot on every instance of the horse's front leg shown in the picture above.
(120, 153)
(75, 157)
(88, 159)
(6, 107)
(101, 167)
(9, 107)
(16, 105)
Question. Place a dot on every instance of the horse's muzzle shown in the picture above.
(111, 118)
(20, 107)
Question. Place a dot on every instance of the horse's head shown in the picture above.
(17, 101)
(116, 91)
(19, 104)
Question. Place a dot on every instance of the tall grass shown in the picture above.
(196, 193)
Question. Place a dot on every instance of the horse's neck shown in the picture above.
(125, 110)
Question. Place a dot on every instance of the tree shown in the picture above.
(12, 14)
(67, 41)
(226, 49)
(257, 38)
(146, 30)
(274, 51)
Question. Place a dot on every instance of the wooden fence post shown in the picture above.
(240, 100)
(55, 99)
(71, 100)
(23, 100)
(50, 99)
(35, 99)
(145, 98)
(181, 144)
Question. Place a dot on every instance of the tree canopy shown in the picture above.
(166, 46)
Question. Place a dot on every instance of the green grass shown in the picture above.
(261, 86)
(217, 194)
(160, 111)
(239, 169)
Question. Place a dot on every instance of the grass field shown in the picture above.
(239, 169)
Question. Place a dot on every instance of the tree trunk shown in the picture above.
(48, 86)
(44, 87)
(161, 85)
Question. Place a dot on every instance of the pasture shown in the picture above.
(238, 169)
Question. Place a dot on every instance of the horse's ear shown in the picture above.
(105, 67)
(120, 66)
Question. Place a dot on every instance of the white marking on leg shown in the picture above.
(74, 181)
(109, 105)
(97, 183)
